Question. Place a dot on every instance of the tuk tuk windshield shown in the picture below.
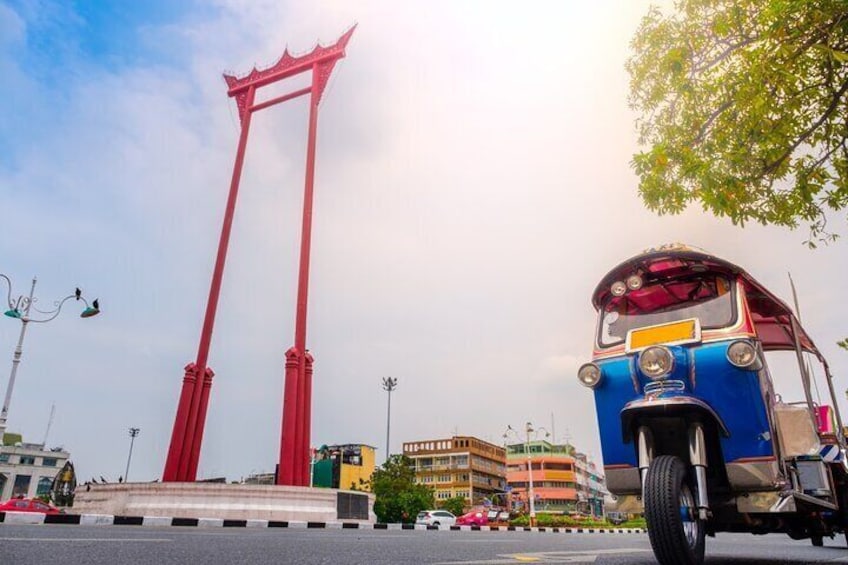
(708, 298)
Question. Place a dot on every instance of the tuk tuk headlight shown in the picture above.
(656, 362)
(589, 375)
(744, 355)
(618, 288)
(634, 282)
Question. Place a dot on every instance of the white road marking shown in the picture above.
(587, 556)
(122, 540)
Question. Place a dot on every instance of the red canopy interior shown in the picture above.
(772, 318)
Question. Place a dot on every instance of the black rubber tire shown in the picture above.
(435, 523)
(668, 496)
(818, 541)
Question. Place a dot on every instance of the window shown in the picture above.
(558, 466)
(668, 300)
(4, 457)
(49, 461)
(21, 486)
(27, 460)
(44, 485)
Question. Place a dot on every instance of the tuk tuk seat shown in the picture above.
(796, 430)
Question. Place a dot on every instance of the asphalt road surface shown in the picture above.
(95, 545)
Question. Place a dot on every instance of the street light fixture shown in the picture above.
(389, 384)
(20, 309)
(528, 430)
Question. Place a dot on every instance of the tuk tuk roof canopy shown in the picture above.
(772, 318)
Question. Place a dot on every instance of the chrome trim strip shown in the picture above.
(652, 404)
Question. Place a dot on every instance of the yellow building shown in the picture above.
(344, 466)
(460, 466)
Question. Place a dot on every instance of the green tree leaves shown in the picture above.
(398, 497)
(744, 107)
(454, 505)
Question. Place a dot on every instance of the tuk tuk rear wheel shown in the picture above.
(674, 528)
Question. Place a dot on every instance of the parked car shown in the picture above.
(435, 518)
(616, 518)
(28, 505)
(474, 518)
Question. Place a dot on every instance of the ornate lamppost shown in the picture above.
(23, 308)
(528, 431)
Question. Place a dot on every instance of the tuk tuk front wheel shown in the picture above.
(674, 528)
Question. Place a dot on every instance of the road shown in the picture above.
(25, 545)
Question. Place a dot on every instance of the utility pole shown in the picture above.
(389, 384)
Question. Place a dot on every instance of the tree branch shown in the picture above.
(768, 169)
(703, 129)
(724, 55)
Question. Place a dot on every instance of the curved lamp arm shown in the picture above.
(90, 309)
(9, 291)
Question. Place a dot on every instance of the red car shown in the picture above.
(28, 505)
(473, 518)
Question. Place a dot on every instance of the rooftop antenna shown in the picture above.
(49, 424)
(553, 427)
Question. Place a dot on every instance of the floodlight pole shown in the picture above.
(133, 433)
(389, 384)
(187, 435)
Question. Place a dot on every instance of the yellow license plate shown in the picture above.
(675, 332)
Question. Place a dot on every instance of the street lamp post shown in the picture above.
(21, 309)
(528, 430)
(389, 384)
(133, 433)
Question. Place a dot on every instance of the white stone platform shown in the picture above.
(217, 500)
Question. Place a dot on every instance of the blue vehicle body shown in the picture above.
(733, 394)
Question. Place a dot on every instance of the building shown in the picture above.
(345, 467)
(592, 489)
(28, 469)
(564, 481)
(461, 466)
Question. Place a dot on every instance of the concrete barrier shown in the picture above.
(219, 501)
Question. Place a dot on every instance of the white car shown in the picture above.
(435, 518)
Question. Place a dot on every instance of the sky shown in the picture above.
(473, 185)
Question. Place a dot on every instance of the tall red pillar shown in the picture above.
(187, 436)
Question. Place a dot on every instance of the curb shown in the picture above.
(162, 521)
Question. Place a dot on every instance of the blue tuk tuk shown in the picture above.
(693, 432)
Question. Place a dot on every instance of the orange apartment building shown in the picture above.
(563, 481)
(460, 466)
